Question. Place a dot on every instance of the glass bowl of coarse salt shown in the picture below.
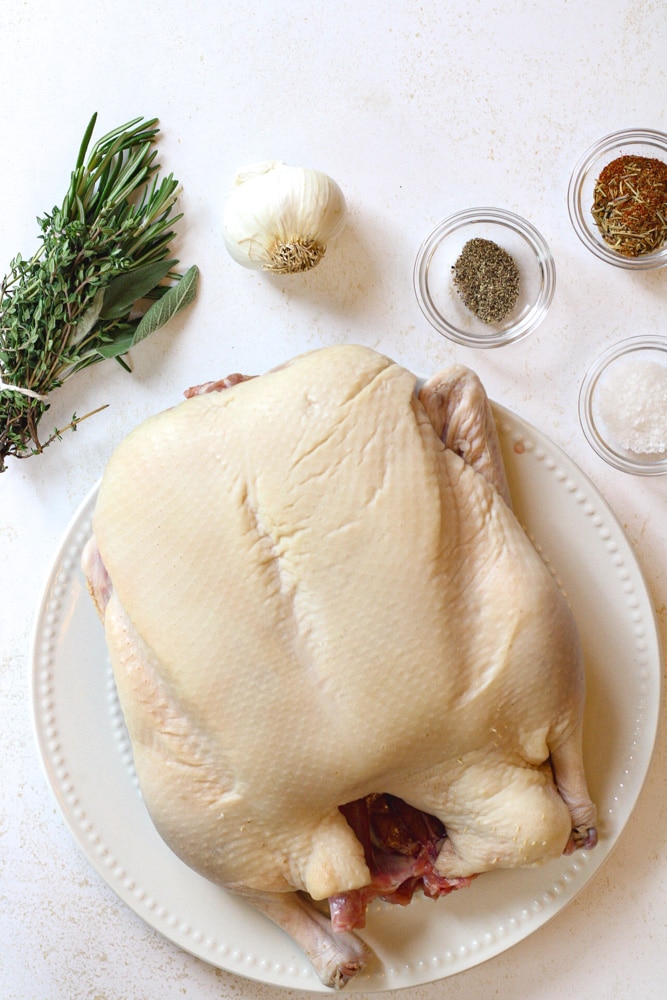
(617, 199)
(484, 278)
(623, 406)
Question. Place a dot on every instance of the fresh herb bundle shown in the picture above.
(101, 281)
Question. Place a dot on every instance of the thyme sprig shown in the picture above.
(101, 281)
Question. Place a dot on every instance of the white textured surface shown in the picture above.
(417, 110)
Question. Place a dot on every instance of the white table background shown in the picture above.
(417, 110)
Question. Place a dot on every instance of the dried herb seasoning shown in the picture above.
(630, 204)
(487, 279)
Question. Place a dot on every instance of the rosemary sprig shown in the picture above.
(100, 282)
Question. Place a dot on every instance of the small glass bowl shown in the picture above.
(440, 301)
(630, 142)
(594, 415)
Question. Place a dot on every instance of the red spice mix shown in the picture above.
(630, 204)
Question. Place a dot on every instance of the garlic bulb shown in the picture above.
(281, 218)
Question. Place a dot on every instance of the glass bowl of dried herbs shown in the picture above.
(623, 406)
(484, 278)
(617, 199)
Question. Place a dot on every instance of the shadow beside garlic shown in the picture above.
(346, 281)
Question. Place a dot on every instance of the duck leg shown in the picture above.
(335, 957)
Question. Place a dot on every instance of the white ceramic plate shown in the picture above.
(88, 761)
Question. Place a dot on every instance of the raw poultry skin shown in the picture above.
(313, 589)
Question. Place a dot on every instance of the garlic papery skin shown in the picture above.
(280, 218)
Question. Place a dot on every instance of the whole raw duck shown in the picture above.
(315, 595)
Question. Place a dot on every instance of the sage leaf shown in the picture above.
(121, 293)
(119, 345)
(88, 320)
(176, 298)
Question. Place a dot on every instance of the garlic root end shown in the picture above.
(291, 258)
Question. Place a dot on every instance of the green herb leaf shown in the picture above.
(120, 345)
(178, 297)
(122, 292)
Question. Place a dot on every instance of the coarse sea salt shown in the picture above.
(633, 406)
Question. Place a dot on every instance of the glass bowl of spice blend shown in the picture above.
(617, 199)
(623, 406)
(484, 278)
